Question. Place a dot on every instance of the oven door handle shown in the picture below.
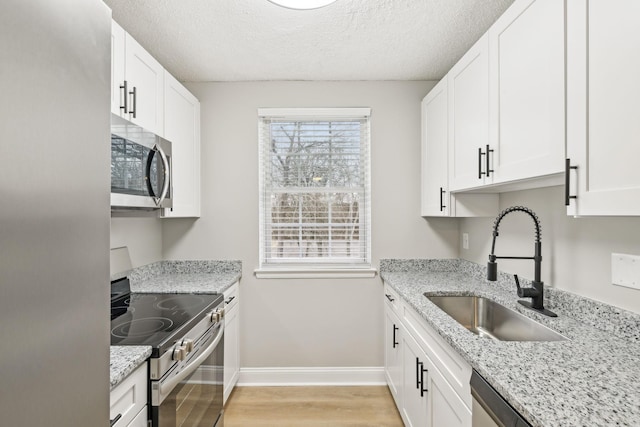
(166, 387)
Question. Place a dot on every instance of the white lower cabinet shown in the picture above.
(128, 400)
(393, 354)
(231, 339)
(427, 378)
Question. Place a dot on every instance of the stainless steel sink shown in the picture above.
(487, 318)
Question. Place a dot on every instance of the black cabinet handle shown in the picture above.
(126, 95)
(567, 181)
(389, 297)
(423, 389)
(230, 299)
(489, 170)
(115, 420)
(395, 328)
(480, 154)
(418, 370)
(133, 102)
(442, 205)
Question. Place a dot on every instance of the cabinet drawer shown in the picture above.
(129, 397)
(391, 298)
(453, 367)
(231, 296)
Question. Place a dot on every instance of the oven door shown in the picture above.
(190, 395)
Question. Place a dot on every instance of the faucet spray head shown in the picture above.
(492, 269)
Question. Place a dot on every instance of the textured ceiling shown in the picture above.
(245, 40)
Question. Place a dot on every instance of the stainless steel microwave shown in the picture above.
(140, 167)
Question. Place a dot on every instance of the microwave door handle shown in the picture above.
(165, 183)
(147, 175)
(166, 387)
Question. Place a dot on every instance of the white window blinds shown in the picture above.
(314, 189)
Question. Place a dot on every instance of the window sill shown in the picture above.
(314, 273)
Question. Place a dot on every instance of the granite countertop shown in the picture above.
(591, 379)
(124, 360)
(192, 277)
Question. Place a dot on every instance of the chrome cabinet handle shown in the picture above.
(133, 101)
(125, 96)
(567, 182)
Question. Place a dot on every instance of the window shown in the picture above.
(314, 191)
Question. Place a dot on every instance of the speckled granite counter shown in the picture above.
(124, 360)
(194, 277)
(593, 379)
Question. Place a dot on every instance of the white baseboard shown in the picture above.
(312, 376)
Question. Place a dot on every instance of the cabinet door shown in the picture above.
(527, 57)
(415, 401)
(445, 407)
(469, 118)
(393, 355)
(603, 134)
(435, 191)
(182, 128)
(118, 94)
(145, 76)
(231, 340)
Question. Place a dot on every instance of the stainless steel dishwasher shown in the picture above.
(490, 409)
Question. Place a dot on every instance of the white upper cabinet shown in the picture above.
(469, 118)
(454, 129)
(603, 129)
(145, 78)
(137, 81)
(435, 190)
(527, 75)
(182, 128)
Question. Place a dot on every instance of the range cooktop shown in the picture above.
(157, 319)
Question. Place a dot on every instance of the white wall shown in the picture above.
(142, 235)
(317, 322)
(576, 251)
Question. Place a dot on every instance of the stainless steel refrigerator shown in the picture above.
(54, 212)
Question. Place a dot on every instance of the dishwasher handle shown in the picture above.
(496, 407)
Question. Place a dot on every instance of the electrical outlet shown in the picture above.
(625, 270)
(465, 240)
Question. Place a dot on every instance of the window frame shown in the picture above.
(311, 269)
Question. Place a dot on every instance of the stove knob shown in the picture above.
(216, 315)
(187, 343)
(179, 353)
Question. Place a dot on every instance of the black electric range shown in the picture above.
(186, 334)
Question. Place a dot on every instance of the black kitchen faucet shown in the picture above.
(536, 292)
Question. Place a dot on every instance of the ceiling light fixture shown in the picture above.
(302, 4)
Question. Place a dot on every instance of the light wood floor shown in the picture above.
(311, 407)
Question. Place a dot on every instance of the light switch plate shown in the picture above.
(625, 270)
